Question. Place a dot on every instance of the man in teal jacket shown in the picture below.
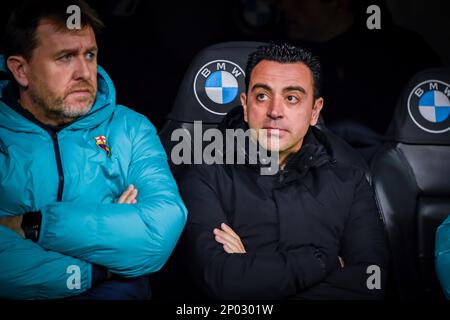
(71, 162)
(443, 256)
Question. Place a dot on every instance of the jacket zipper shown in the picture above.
(54, 137)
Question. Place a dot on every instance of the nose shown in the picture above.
(275, 110)
(82, 69)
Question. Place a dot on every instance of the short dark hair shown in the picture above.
(20, 35)
(285, 53)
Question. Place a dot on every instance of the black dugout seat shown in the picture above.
(411, 176)
(211, 88)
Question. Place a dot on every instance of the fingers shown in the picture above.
(129, 196)
(232, 243)
(341, 261)
(132, 197)
(227, 249)
(14, 223)
(124, 195)
(228, 243)
(230, 231)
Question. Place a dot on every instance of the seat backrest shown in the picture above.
(411, 176)
(210, 89)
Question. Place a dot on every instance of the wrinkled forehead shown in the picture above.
(281, 75)
(55, 36)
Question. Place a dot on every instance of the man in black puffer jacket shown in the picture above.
(310, 231)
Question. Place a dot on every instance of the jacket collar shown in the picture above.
(312, 154)
(11, 98)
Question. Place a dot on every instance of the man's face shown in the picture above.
(62, 72)
(281, 100)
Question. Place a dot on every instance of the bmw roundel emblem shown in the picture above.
(429, 106)
(217, 86)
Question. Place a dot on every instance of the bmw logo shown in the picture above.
(429, 106)
(217, 86)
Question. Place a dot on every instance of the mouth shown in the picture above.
(274, 130)
(80, 93)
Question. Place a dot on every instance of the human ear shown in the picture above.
(18, 67)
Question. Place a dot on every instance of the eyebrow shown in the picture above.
(286, 89)
(261, 86)
(74, 51)
(294, 88)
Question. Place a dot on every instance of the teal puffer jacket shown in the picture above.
(74, 180)
(442, 256)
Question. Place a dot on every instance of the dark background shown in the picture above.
(147, 45)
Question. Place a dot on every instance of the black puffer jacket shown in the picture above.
(294, 225)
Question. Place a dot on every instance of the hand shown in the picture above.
(231, 241)
(341, 261)
(129, 196)
(14, 223)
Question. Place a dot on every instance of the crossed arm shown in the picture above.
(224, 268)
(216, 254)
(129, 196)
(129, 239)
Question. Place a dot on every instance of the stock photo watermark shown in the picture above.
(374, 20)
(236, 146)
(73, 22)
(74, 279)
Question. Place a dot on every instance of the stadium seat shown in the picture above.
(411, 177)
